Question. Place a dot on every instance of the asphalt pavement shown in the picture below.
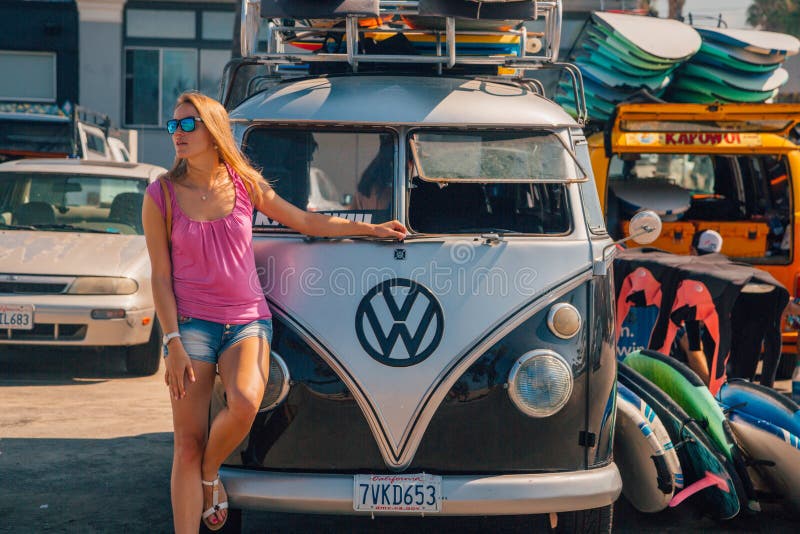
(86, 448)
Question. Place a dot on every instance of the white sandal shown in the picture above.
(216, 506)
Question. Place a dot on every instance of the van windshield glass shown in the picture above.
(344, 173)
(497, 207)
(488, 156)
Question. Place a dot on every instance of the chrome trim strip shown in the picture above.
(36, 278)
(274, 356)
(462, 494)
(427, 405)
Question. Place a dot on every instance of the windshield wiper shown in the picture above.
(71, 227)
(487, 230)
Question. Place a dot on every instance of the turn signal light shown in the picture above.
(108, 314)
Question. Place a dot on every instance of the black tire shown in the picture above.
(232, 526)
(786, 366)
(145, 359)
(594, 521)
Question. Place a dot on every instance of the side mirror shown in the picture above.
(644, 228)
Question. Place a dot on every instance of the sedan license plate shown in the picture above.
(16, 317)
(397, 493)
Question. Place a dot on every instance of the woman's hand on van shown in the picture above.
(179, 370)
(390, 229)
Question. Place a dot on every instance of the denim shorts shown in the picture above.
(207, 340)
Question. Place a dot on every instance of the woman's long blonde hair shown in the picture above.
(216, 120)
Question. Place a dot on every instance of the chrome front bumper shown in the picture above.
(461, 495)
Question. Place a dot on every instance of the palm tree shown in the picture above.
(775, 15)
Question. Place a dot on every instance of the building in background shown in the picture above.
(130, 59)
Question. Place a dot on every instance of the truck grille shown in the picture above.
(32, 288)
(46, 332)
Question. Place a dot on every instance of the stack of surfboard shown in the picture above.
(730, 448)
(734, 66)
(619, 55)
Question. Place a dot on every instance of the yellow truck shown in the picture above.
(727, 167)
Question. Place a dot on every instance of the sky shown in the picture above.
(734, 12)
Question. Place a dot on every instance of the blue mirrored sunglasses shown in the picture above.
(187, 124)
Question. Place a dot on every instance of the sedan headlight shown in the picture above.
(103, 285)
(540, 383)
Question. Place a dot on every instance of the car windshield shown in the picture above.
(693, 172)
(71, 202)
(494, 156)
(746, 197)
(345, 173)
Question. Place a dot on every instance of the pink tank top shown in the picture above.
(213, 268)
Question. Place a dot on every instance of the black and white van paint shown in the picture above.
(469, 370)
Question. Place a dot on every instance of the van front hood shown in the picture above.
(70, 253)
(399, 322)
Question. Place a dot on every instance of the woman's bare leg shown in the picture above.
(244, 369)
(190, 423)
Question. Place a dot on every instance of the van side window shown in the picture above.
(591, 199)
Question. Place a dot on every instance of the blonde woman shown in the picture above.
(214, 320)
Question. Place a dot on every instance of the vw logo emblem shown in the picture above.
(399, 309)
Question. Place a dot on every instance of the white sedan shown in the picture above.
(74, 269)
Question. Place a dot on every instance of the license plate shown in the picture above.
(397, 493)
(16, 317)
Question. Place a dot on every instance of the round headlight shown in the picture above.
(277, 385)
(564, 320)
(540, 383)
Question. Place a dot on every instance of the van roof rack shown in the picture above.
(349, 20)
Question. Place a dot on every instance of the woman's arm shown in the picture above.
(317, 224)
(155, 232)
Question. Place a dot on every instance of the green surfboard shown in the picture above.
(756, 41)
(616, 79)
(613, 42)
(758, 82)
(734, 56)
(719, 92)
(614, 64)
(593, 47)
(661, 40)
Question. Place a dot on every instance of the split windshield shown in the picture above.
(71, 202)
(348, 174)
(516, 186)
(494, 156)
